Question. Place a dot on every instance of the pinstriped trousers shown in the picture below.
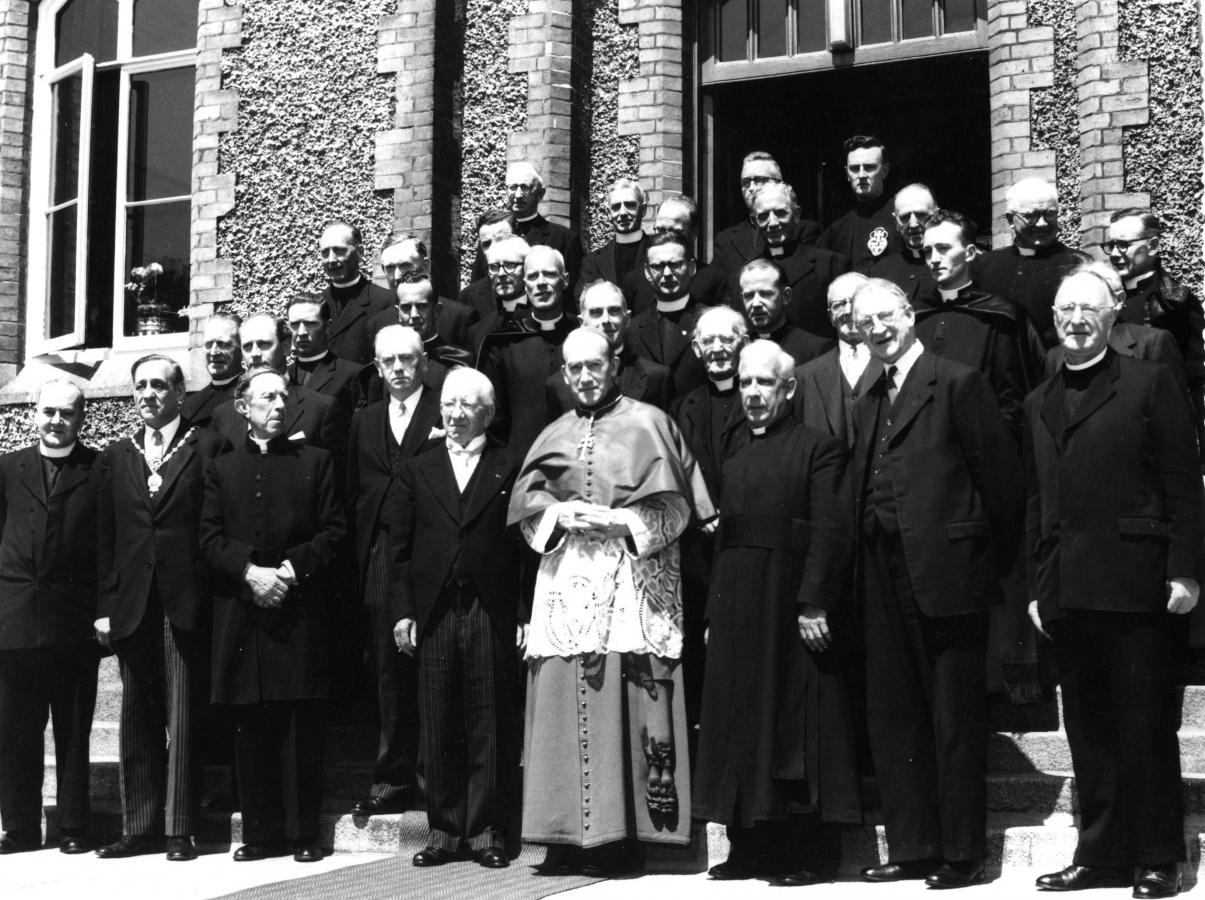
(162, 698)
(465, 681)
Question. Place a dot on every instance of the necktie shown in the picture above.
(893, 389)
(156, 454)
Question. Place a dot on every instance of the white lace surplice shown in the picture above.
(598, 597)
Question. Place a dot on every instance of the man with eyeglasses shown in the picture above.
(677, 215)
(808, 270)
(940, 497)
(458, 608)
(868, 230)
(223, 363)
(913, 207)
(405, 261)
(662, 334)
(1114, 529)
(624, 253)
(1156, 299)
(735, 246)
(519, 363)
(492, 225)
(383, 435)
(508, 294)
(1030, 270)
(351, 297)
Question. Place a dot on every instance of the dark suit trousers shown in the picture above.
(397, 701)
(1118, 676)
(163, 695)
(926, 714)
(32, 681)
(278, 760)
(465, 682)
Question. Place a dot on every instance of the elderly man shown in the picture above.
(677, 215)
(508, 294)
(384, 434)
(152, 605)
(940, 496)
(271, 526)
(624, 253)
(457, 603)
(765, 296)
(350, 296)
(603, 496)
(907, 267)
(808, 270)
(867, 232)
(223, 362)
(48, 651)
(776, 744)
(742, 242)
(519, 364)
(1030, 270)
(831, 385)
(604, 309)
(406, 262)
(1114, 529)
(492, 225)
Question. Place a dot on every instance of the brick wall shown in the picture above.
(16, 34)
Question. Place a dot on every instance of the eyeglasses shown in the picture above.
(712, 340)
(409, 360)
(1087, 310)
(1121, 246)
(521, 188)
(468, 406)
(839, 305)
(759, 180)
(669, 229)
(1032, 217)
(921, 218)
(866, 323)
(510, 267)
(780, 215)
(674, 264)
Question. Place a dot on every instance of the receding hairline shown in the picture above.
(396, 331)
(482, 387)
(64, 384)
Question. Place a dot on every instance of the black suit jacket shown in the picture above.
(736, 245)
(47, 550)
(957, 480)
(370, 468)
(810, 271)
(479, 297)
(144, 541)
(1137, 341)
(332, 377)
(693, 415)
(434, 527)
(350, 338)
(707, 288)
(321, 420)
(820, 394)
(803, 346)
(198, 406)
(600, 265)
(640, 379)
(686, 369)
(1115, 501)
(453, 320)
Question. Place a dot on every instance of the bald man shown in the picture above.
(48, 653)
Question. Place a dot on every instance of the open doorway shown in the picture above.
(932, 114)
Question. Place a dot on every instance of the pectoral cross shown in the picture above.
(586, 444)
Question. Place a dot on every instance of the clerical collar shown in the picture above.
(628, 237)
(313, 359)
(261, 443)
(532, 217)
(472, 448)
(915, 254)
(512, 305)
(56, 452)
(1132, 283)
(774, 333)
(215, 382)
(548, 324)
(607, 403)
(1027, 251)
(777, 251)
(1079, 367)
(724, 384)
(758, 430)
(346, 284)
(673, 306)
(951, 294)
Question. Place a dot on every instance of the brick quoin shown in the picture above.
(16, 70)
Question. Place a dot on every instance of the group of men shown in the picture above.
(736, 517)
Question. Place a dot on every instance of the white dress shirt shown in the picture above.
(401, 412)
(853, 359)
(464, 459)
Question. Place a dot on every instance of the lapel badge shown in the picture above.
(876, 243)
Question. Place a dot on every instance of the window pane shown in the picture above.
(918, 18)
(86, 26)
(163, 25)
(876, 21)
(771, 28)
(161, 134)
(60, 315)
(64, 150)
(960, 15)
(159, 234)
(812, 26)
(734, 28)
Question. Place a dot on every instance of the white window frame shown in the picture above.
(41, 146)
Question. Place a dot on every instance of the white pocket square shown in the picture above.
(299, 436)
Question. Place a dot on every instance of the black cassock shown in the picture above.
(776, 733)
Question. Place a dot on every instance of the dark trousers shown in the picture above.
(1118, 676)
(926, 714)
(397, 692)
(278, 761)
(163, 700)
(465, 678)
(63, 681)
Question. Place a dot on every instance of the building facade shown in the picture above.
(215, 137)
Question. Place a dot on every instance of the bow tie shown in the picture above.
(457, 450)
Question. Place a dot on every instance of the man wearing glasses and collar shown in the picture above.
(678, 215)
(914, 206)
(1029, 272)
(867, 232)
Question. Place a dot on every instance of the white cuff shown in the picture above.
(641, 537)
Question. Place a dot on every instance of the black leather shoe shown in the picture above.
(901, 871)
(379, 806)
(798, 878)
(733, 870)
(129, 845)
(1079, 878)
(73, 843)
(433, 856)
(959, 874)
(180, 849)
(1157, 881)
(307, 853)
(492, 858)
(255, 852)
(20, 842)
